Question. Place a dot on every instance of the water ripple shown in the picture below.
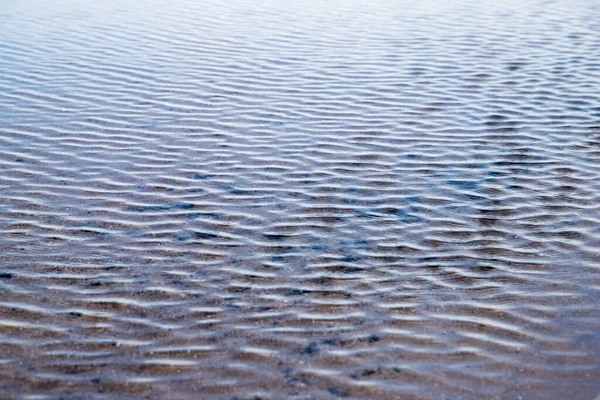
(275, 200)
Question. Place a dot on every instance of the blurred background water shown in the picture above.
(304, 200)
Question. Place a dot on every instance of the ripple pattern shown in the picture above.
(303, 200)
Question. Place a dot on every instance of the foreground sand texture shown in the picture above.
(299, 200)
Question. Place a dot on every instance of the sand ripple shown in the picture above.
(302, 200)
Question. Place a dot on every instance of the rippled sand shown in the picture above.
(300, 200)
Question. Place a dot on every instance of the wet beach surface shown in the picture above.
(303, 200)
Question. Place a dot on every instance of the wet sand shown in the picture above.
(299, 200)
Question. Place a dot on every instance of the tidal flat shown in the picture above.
(300, 200)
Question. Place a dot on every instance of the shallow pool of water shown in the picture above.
(301, 200)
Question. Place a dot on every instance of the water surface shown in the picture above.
(302, 200)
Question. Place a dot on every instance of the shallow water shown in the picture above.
(303, 200)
